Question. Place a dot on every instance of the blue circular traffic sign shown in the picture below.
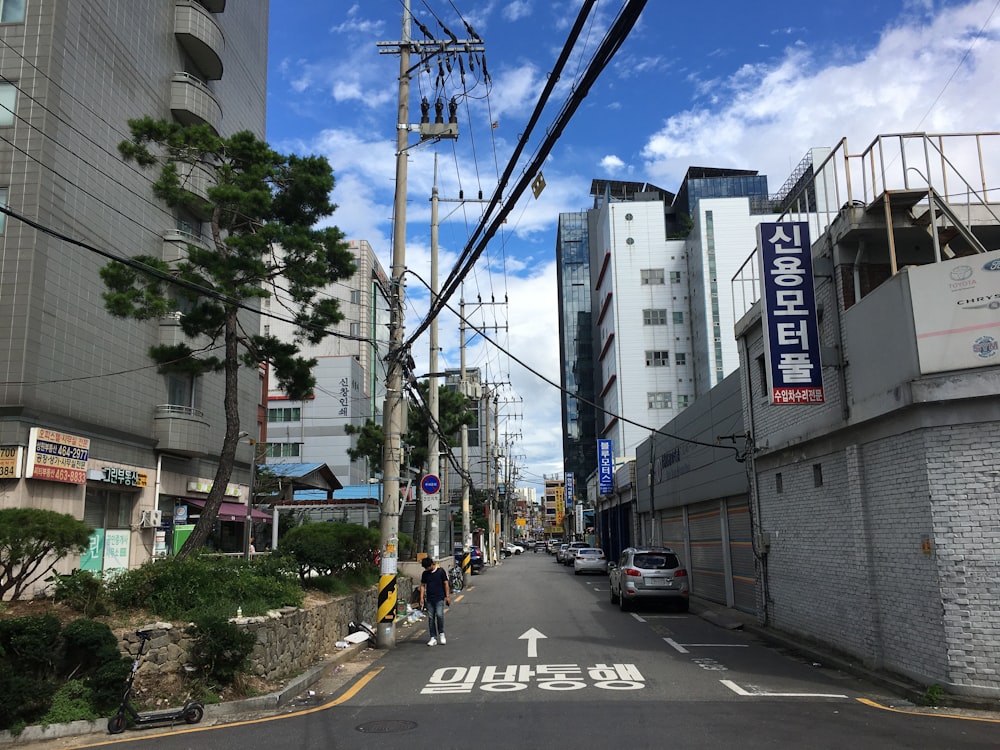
(430, 484)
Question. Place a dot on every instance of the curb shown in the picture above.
(295, 686)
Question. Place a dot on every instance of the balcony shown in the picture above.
(214, 6)
(171, 333)
(191, 103)
(200, 36)
(180, 430)
(175, 244)
(196, 179)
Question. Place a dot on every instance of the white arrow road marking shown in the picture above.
(759, 693)
(532, 636)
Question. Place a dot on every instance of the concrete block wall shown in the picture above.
(289, 641)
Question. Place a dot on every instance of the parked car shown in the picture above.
(475, 558)
(589, 560)
(552, 546)
(560, 551)
(570, 552)
(648, 574)
(513, 549)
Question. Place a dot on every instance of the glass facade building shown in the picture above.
(576, 345)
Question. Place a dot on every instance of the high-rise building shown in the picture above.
(88, 426)
(656, 268)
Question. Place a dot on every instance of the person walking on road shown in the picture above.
(435, 592)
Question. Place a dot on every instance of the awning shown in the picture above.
(232, 511)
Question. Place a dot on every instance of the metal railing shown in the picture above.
(843, 181)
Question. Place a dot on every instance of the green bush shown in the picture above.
(74, 701)
(178, 589)
(31, 645)
(82, 591)
(219, 649)
(23, 699)
(331, 548)
(91, 654)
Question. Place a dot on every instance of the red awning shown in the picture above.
(232, 511)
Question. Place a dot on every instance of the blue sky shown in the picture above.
(735, 84)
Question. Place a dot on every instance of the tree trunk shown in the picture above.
(227, 456)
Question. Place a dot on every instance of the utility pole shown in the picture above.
(394, 411)
(433, 447)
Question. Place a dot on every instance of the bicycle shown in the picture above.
(456, 580)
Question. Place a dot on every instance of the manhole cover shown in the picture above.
(387, 727)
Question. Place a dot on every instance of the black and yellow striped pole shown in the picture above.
(466, 565)
(387, 590)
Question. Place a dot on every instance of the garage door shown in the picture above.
(672, 531)
(706, 566)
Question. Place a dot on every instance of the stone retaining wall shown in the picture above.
(289, 640)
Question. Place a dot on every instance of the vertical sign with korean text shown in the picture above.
(788, 313)
(605, 471)
(570, 489)
(57, 456)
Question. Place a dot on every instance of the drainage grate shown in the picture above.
(387, 726)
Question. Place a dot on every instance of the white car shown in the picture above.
(513, 549)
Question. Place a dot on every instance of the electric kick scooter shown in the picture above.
(191, 713)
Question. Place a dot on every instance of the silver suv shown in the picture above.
(648, 574)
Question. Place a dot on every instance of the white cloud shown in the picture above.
(611, 164)
(917, 78)
(516, 10)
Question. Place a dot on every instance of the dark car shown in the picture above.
(475, 558)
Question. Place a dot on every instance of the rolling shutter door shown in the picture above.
(672, 531)
(741, 556)
(706, 565)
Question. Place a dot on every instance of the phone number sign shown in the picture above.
(57, 456)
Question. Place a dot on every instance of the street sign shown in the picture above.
(430, 484)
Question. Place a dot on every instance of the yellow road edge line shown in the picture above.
(343, 698)
(874, 704)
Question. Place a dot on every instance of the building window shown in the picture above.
(180, 390)
(657, 358)
(817, 475)
(762, 375)
(651, 276)
(355, 296)
(679, 318)
(8, 99)
(779, 485)
(682, 402)
(660, 399)
(356, 329)
(680, 359)
(12, 11)
(675, 277)
(654, 317)
(284, 450)
(108, 509)
(3, 217)
(285, 414)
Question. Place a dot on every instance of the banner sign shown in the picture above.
(57, 456)
(788, 314)
(10, 461)
(605, 468)
(570, 489)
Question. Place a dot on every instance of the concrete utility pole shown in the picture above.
(433, 447)
(394, 411)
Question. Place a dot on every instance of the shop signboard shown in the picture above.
(57, 456)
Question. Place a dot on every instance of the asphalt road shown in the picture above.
(539, 658)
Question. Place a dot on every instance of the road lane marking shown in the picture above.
(766, 694)
(681, 647)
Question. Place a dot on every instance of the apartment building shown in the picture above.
(87, 424)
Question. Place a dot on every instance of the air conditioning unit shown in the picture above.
(150, 519)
